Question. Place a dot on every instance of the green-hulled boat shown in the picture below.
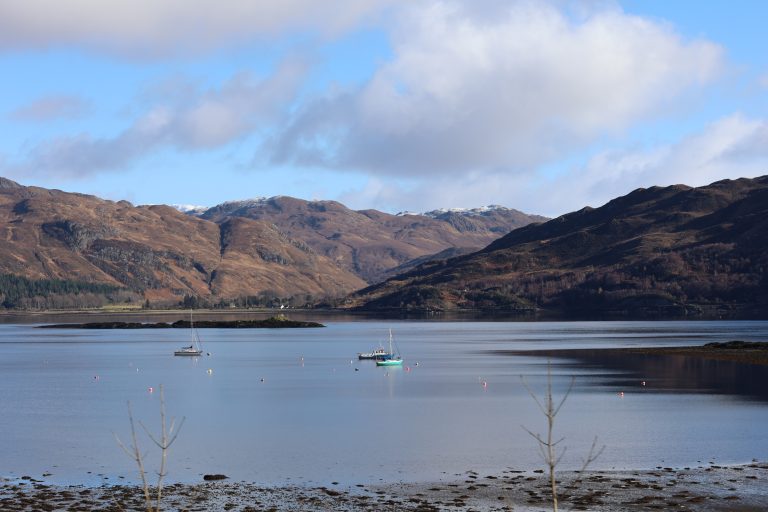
(394, 359)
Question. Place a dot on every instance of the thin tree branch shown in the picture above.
(135, 454)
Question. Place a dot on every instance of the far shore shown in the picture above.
(22, 316)
(154, 312)
(158, 316)
(707, 487)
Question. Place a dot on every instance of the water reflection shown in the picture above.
(261, 415)
(624, 369)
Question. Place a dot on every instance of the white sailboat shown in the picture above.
(195, 349)
(393, 360)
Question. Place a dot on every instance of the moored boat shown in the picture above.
(195, 349)
(188, 351)
(393, 359)
(379, 354)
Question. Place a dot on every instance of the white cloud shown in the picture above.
(50, 108)
(508, 87)
(730, 148)
(477, 96)
(470, 190)
(167, 27)
(207, 119)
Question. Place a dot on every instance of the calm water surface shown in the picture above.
(295, 405)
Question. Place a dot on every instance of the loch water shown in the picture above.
(296, 406)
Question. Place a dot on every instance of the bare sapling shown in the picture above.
(135, 454)
(549, 448)
(168, 434)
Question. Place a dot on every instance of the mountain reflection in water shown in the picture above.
(662, 372)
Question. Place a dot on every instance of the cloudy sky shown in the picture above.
(389, 104)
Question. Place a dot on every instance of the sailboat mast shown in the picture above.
(193, 333)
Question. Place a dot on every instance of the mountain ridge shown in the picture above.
(659, 250)
(154, 251)
(157, 253)
(369, 243)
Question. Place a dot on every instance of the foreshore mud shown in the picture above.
(708, 487)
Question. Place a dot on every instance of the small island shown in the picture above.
(280, 321)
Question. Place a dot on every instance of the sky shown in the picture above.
(399, 105)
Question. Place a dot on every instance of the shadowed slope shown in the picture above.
(671, 250)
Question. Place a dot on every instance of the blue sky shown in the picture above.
(396, 105)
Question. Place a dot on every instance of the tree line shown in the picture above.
(17, 292)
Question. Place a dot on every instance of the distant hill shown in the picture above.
(65, 249)
(154, 252)
(369, 243)
(658, 251)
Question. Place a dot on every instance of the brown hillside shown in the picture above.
(155, 250)
(370, 243)
(672, 250)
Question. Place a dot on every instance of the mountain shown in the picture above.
(445, 254)
(670, 250)
(155, 252)
(60, 243)
(369, 243)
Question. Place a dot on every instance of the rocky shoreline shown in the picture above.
(708, 487)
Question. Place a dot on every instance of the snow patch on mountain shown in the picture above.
(191, 209)
(467, 212)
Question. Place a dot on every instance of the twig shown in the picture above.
(167, 437)
(548, 447)
(134, 453)
(164, 444)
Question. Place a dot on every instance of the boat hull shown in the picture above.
(371, 355)
(390, 362)
(188, 353)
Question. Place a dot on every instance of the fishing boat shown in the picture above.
(379, 354)
(195, 349)
(393, 359)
